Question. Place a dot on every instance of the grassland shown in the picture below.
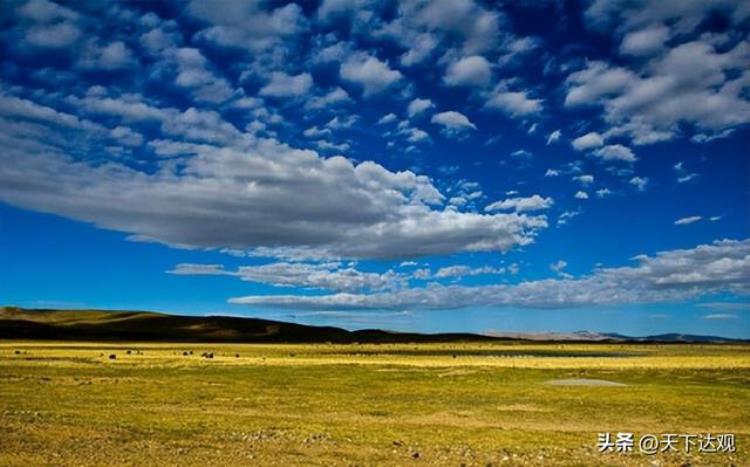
(363, 404)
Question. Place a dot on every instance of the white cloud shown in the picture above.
(315, 132)
(340, 122)
(388, 118)
(453, 122)
(463, 270)
(329, 146)
(615, 152)
(554, 137)
(581, 195)
(531, 203)
(566, 216)
(469, 71)
(335, 96)
(585, 179)
(551, 173)
(683, 176)
(588, 141)
(113, 56)
(417, 106)
(687, 220)
(645, 42)
(695, 84)
(284, 85)
(670, 276)
(421, 48)
(421, 27)
(603, 192)
(521, 153)
(373, 75)
(126, 136)
(639, 183)
(720, 316)
(559, 267)
(226, 189)
(332, 276)
(250, 26)
(514, 103)
(683, 16)
(194, 72)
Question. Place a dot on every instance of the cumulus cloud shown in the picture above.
(251, 26)
(531, 203)
(331, 276)
(462, 270)
(114, 56)
(387, 118)
(469, 71)
(228, 189)
(421, 27)
(693, 84)
(417, 106)
(194, 72)
(334, 97)
(513, 103)
(585, 179)
(615, 152)
(603, 192)
(282, 85)
(559, 265)
(453, 122)
(669, 276)
(581, 195)
(588, 141)
(684, 16)
(639, 183)
(645, 42)
(369, 72)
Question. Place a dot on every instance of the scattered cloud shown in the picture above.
(369, 72)
(720, 316)
(531, 203)
(615, 152)
(513, 103)
(669, 276)
(453, 122)
(418, 106)
(639, 183)
(554, 137)
(588, 141)
(687, 220)
(469, 71)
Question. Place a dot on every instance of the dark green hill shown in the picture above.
(98, 325)
(103, 325)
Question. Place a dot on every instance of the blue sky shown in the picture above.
(430, 166)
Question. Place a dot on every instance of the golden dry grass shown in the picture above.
(448, 404)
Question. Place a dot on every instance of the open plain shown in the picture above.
(505, 403)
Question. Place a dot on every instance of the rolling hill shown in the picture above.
(104, 325)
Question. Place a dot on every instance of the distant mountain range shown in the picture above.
(103, 325)
(588, 336)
